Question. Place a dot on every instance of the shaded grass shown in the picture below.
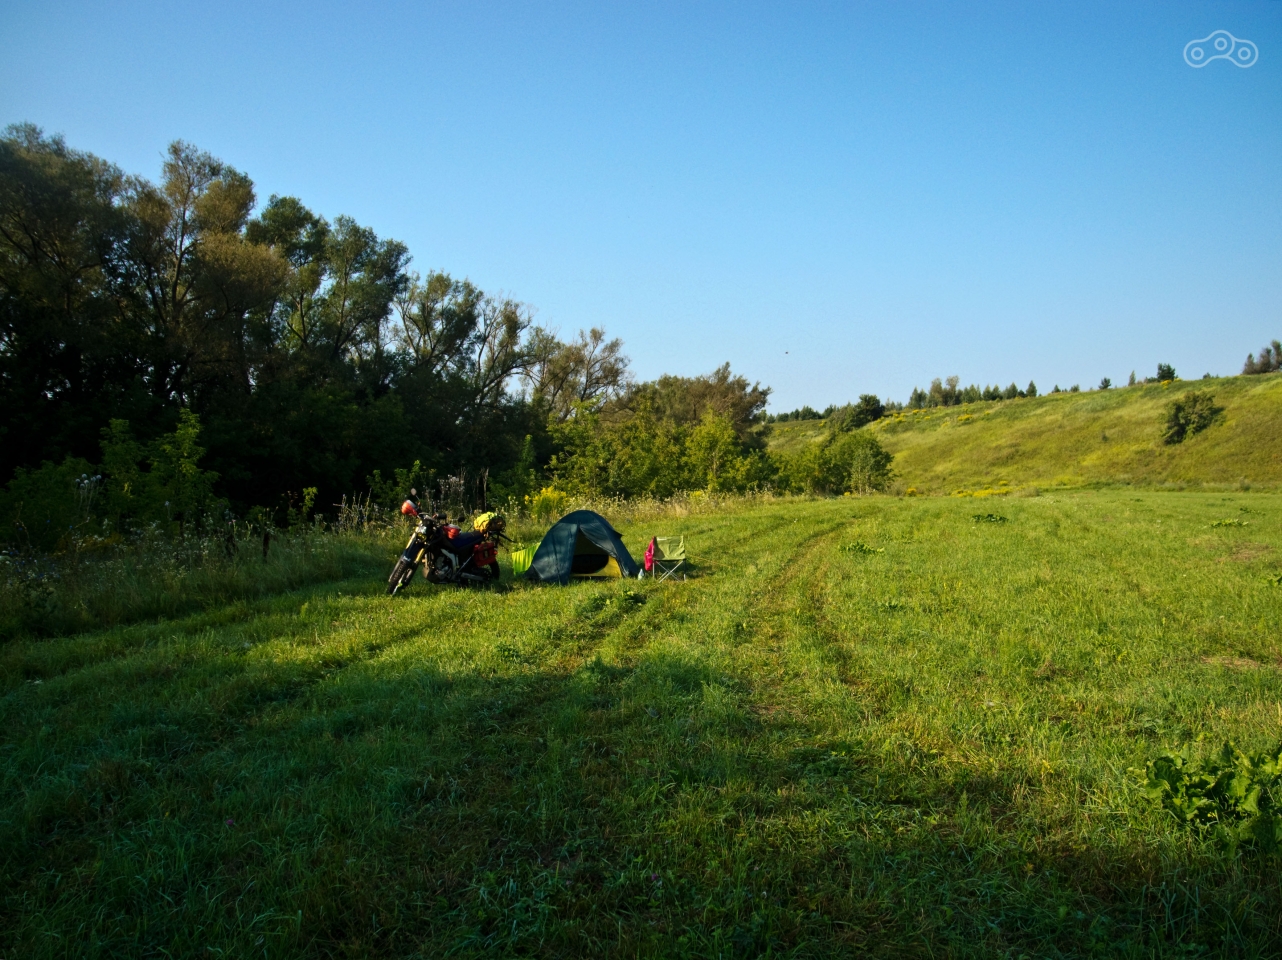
(922, 749)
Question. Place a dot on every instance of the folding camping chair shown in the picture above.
(669, 556)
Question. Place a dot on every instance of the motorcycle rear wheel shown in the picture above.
(494, 571)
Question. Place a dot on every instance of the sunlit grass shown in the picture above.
(919, 747)
(1080, 439)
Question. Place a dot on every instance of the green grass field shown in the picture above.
(862, 727)
(1077, 439)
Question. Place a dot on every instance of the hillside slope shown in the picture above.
(1076, 439)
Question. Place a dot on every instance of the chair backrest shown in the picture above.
(670, 548)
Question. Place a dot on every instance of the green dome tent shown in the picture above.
(581, 544)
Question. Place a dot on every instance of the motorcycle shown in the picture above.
(449, 555)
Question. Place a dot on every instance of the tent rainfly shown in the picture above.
(581, 544)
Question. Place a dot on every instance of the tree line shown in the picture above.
(1269, 360)
(300, 352)
(173, 351)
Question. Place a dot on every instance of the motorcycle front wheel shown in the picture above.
(401, 574)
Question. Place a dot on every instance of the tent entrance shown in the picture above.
(592, 561)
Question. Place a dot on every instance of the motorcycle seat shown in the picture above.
(462, 543)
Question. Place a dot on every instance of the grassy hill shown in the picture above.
(1080, 439)
(869, 727)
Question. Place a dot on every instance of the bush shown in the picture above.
(1165, 372)
(866, 461)
(548, 504)
(855, 415)
(840, 463)
(41, 509)
(1189, 414)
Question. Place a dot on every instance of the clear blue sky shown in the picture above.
(835, 198)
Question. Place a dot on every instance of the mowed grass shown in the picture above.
(917, 746)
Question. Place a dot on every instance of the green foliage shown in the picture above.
(1230, 522)
(685, 400)
(161, 482)
(636, 453)
(1234, 795)
(949, 393)
(40, 508)
(547, 504)
(626, 456)
(718, 461)
(308, 350)
(1189, 414)
(1269, 361)
(390, 494)
(122, 457)
(176, 475)
(806, 412)
(1165, 373)
(856, 415)
(866, 461)
(840, 463)
(521, 480)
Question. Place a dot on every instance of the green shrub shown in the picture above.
(1189, 414)
(56, 506)
(840, 463)
(1236, 797)
(41, 508)
(866, 462)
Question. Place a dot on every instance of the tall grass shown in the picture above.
(151, 576)
(94, 584)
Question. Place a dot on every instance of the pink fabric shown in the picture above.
(649, 556)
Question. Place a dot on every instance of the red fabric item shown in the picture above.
(485, 553)
(649, 556)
